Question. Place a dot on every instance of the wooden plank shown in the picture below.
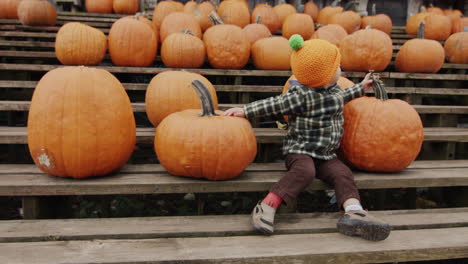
(59, 23)
(38, 28)
(211, 226)
(402, 245)
(97, 15)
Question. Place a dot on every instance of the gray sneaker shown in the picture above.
(361, 223)
(263, 217)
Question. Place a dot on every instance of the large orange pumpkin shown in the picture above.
(366, 49)
(349, 20)
(80, 44)
(381, 21)
(301, 24)
(81, 123)
(272, 53)
(234, 12)
(459, 24)
(284, 10)
(8, 9)
(256, 31)
(132, 42)
(327, 12)
(414, 21)
(164, 8)
(312, 10)
(37, 13)
(381, 135)
(227, 47)
(208, 146)
(456, 48)
(177, 22)
(268, 15)
(126, 6)
(435, 10)
(438, 27)
(99, 6)
(170, 92)
(413, 55)
(332, 33)
(183, 50)
(201, 12)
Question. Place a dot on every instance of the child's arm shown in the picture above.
(288, 103)
(358, 89)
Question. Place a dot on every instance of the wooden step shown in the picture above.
(212, 226)
(27, 180)
(38, 28)
(59, 23)
(401, 246)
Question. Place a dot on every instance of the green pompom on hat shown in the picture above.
(296, 42)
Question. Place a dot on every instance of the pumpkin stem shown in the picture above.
(368, 27)
(423, 9)
(188, 31)
(205, 98)
(215, 3)
(374, 9)
(421, 29)
(379, 88)
(335, 3)
(257, 20)
(215, 19)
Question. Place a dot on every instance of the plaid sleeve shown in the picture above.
(353, 92)
(288, 103)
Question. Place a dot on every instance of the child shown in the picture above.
(314, 104)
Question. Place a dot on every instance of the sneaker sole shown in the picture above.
(372, 232)
(262, 229)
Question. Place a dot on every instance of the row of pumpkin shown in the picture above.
(81, 124)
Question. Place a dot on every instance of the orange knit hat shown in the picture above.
(314, 62)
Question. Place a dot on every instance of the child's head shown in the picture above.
(315, 62)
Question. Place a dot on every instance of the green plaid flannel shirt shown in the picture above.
(315, 117)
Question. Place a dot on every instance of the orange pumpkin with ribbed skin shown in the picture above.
(332, 33)
(381, 22)
(80, 123)
(37, 13)
(170, 92)
(453, 11)
(413, 55)
(456, 48)
(126, 6)
(80, 44)
(284, 10)
(200, 11)
(256, 31)
(381, 135)
(227, 47)
(301, 24)
(178, 21)
(312, 10)
(99, 6)
(326, 13)
(349, 20)
(271, 54)
(413, 22)
(269, 17)
(459, 24)
(234, 12)
(366, 49)
(183, 50)
(438, 27)
(164, 8)
(204, 143)
(8, 9)
(132, 42)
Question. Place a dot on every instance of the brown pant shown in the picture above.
(303, 169)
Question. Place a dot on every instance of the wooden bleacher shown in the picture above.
(26, 53)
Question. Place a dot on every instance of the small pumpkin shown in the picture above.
(332, 33)
(177, 22)
(256, 31)
(301, 24)
(284, 10)
(366, 49)
(456, 48)
(312, 10)
(327, 12)
(164, 8)
(37, 13)
(80, 123)
(132, 42)
(201, 12)
(8, 9)
(227, 47)
(459, 24)
(80, 44)
(209, 145)
(99, 6)
(381, 134)
(349, 20)
(381, 21)
(126, 6)
(413, 55)
(183, 50)
(272, 53)
(269, 17)
(170, 92)
(234, 12)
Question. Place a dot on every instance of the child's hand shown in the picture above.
(236, 111)
(367, 82)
